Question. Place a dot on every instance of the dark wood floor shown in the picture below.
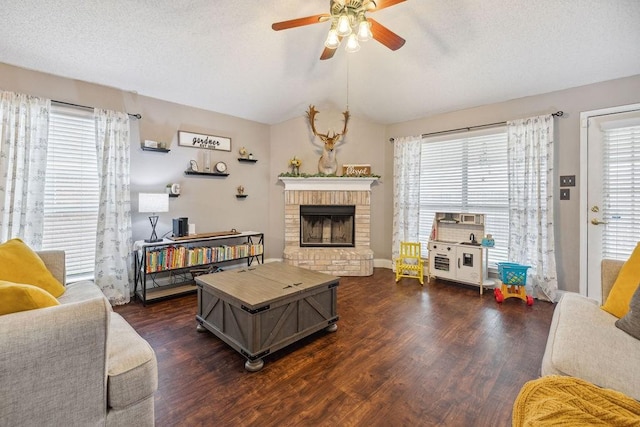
(403, 355)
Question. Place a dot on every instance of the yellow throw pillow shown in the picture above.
(625, 285)
(20, 264)
(16, 297)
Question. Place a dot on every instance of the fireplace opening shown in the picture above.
(327, 225)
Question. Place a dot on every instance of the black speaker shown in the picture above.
(180, 227)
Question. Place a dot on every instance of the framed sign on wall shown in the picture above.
(356, 170)
(209, 142)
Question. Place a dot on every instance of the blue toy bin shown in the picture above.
(512, 273)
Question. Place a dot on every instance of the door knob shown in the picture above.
(595, 221)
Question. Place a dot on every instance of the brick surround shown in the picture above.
(355, 261)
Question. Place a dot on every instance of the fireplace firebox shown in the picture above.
(327, 225)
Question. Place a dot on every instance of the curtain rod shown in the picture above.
(556, 114)
(137, 116)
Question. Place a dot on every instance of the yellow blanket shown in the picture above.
(569, 401)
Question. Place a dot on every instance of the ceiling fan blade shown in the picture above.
(385, 35)
(299, 22)
(327, 53)
(381, 4)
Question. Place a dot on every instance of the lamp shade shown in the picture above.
(364, 31)
(352, 44)
(344, 26)
(332, 41)
(153, 202)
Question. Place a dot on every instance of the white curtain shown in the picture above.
(530, 167)
(24, 128)
(114, 256)
(406, 191)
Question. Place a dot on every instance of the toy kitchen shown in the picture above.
(458, 249)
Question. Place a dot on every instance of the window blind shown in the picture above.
(621, 190)
(467, 173)
(71, 189)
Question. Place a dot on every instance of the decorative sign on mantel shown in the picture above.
(356, 170)
(209, 142)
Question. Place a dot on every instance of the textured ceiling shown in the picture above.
(222, 55)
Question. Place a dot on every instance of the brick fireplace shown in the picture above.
(329, 191)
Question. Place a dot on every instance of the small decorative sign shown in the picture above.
(356, 170)
(209, 142)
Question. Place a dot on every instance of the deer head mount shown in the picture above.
(327, 164)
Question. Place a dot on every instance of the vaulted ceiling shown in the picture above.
(222, 55)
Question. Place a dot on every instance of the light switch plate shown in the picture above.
(568, 181)
(565, 194)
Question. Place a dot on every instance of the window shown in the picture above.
(467, 173)
(71, 189)
(620, 188)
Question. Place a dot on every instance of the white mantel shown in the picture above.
(327, 183)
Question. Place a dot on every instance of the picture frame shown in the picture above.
(193, 166)
(204, 141)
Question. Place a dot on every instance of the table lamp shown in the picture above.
(153, 203)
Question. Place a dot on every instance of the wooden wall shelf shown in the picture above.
(205, 173)
(242, 159)
(241, 196)
(159, 150)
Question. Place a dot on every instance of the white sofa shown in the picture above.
(76, 364)
(584, 342)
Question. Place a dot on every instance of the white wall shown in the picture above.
(211, 202)
(567, 148)
(208, 202)
(364, 143)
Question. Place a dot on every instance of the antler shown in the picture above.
(346, 120)
(311, 115)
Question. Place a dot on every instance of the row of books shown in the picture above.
(173, 257)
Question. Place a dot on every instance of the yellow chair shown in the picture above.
(409, 262)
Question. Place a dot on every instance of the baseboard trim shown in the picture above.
(382, 263)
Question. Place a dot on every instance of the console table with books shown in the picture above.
(167, 268)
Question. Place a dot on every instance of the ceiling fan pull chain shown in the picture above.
(347, 83)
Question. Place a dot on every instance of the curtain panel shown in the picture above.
(531, 237)
(406, 192)
(24, 129)
(114, 256)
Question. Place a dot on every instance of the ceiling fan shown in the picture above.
(348, 20)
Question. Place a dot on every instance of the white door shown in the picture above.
(610, 190)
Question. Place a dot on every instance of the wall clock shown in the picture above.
(221, 167)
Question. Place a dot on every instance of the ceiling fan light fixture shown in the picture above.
(344, 26)
(348, 20)
(364, 30)
(352, 44)
(333, 41)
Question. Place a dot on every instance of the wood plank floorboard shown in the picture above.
(403, 355)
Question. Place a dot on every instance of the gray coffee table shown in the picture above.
(258, 310)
